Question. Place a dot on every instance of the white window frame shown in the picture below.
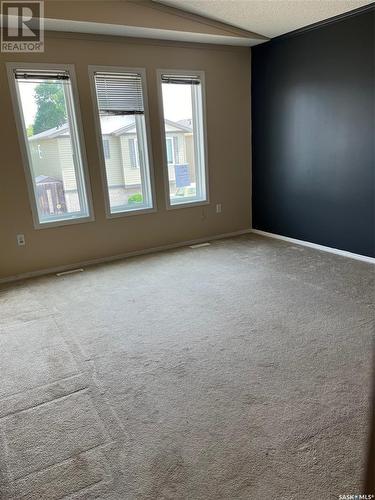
(25, 153)
(186, 203)
(92, 69)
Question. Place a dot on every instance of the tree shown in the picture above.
(51, 110)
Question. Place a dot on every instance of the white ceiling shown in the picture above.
(267, 17)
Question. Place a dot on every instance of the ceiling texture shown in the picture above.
(269, 18)
(224, 22)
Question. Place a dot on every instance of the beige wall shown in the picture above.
(228, 128)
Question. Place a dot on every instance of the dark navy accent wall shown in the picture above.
(313, 135)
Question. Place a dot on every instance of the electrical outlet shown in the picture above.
(21, 240)
(218, 208)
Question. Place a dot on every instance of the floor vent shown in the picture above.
(63, 273)
(199, 245)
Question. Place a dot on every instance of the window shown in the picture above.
(170, 150)
(47, 117)
(133, 151)
(120, 107)
(106, 150)
(184, 132)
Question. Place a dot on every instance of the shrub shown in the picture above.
(135, 198)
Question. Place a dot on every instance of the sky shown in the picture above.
(176, 100)
(28, 103)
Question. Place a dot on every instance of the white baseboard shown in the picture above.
(102, 260)
(343, 253)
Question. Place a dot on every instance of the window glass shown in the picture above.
(48, 118)
(170, 155)
(120, 104)
(106, 149)
(134, 156)
(184, 136)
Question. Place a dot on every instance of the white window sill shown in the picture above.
(63, 222)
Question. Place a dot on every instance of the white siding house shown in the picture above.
(53, 157)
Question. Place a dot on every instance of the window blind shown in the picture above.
(35, 75)
(181, 79)
(119, 93)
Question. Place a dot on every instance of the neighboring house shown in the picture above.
(52, 156)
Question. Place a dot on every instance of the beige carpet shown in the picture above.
(236, 371)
